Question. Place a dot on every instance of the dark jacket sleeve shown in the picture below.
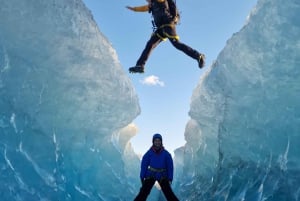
(144, 165)
(172, 7)
(170, 168)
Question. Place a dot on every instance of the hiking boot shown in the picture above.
(201, 61)
(136, 69)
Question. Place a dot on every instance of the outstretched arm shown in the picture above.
(144, 8)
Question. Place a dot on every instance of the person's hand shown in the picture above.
(175, 19)
(130, 8)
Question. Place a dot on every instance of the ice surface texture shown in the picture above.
(243, 139)
(64, 98)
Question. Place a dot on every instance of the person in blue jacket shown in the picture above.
(156, 165)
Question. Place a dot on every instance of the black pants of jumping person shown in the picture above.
(162, 33)
(147, 186)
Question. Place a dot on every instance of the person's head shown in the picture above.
(157, 140)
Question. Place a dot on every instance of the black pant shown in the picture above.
(147, 186)
(165, 31)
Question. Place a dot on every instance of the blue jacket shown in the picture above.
(160, 160)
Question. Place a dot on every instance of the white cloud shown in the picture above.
(153, 81)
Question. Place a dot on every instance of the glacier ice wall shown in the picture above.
(243, 139)
(65, 101)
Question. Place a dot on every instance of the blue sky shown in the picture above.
(165, 89)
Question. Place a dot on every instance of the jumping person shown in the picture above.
(165, 17)
(157, 165)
